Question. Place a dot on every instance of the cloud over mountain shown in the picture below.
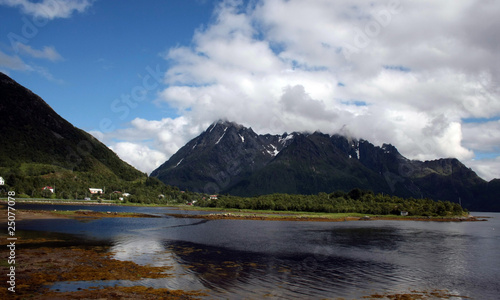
(403, 72)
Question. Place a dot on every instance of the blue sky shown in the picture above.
(103, 53)
(145, 77)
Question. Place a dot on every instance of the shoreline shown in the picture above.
(24, 214)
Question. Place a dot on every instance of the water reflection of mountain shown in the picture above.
(251, 274)
(369, 237)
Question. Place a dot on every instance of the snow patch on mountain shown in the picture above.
(274, 151)
(287, 138)
(221, 136)
(179, 162)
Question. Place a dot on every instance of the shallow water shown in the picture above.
(251, 259)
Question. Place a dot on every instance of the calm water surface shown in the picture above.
(237, 259)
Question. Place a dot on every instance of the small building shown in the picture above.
(51, 189)
(213, 197)
(95, 191)
(404, 213)
(2, 182)
(125, 194)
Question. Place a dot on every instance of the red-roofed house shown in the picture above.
(51, 189)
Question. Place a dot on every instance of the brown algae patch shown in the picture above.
(121, 292)
(38, 268)
(418, 295)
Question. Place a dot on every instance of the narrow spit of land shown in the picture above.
(318, 217)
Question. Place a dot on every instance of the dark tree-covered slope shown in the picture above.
(32, 133)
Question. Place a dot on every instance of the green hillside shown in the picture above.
(39, 148)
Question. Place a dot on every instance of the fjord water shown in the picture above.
(237, 259)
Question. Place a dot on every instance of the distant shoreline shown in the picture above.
(333, 218)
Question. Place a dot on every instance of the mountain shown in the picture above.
(36, 141)
(225, 154)
(229, 158)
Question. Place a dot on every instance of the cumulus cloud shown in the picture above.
(141, 156)
(406, 73)
(488, 168)
(147, 144)
(49, 9)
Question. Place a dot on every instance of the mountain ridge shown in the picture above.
(230, 158)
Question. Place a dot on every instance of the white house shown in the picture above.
(213, 197)
(95, 191)
(125, 194)
(2, 182)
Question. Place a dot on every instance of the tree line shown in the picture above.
(355, 201)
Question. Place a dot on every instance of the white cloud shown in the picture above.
(50, 9)
(48, 52)
(420, 67)
(147, 144)
(12, 62)
(487, 169)
(484, 136)
(8, 62)
(140, 156)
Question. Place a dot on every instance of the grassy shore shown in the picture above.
(23, 214)
(270, 215)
